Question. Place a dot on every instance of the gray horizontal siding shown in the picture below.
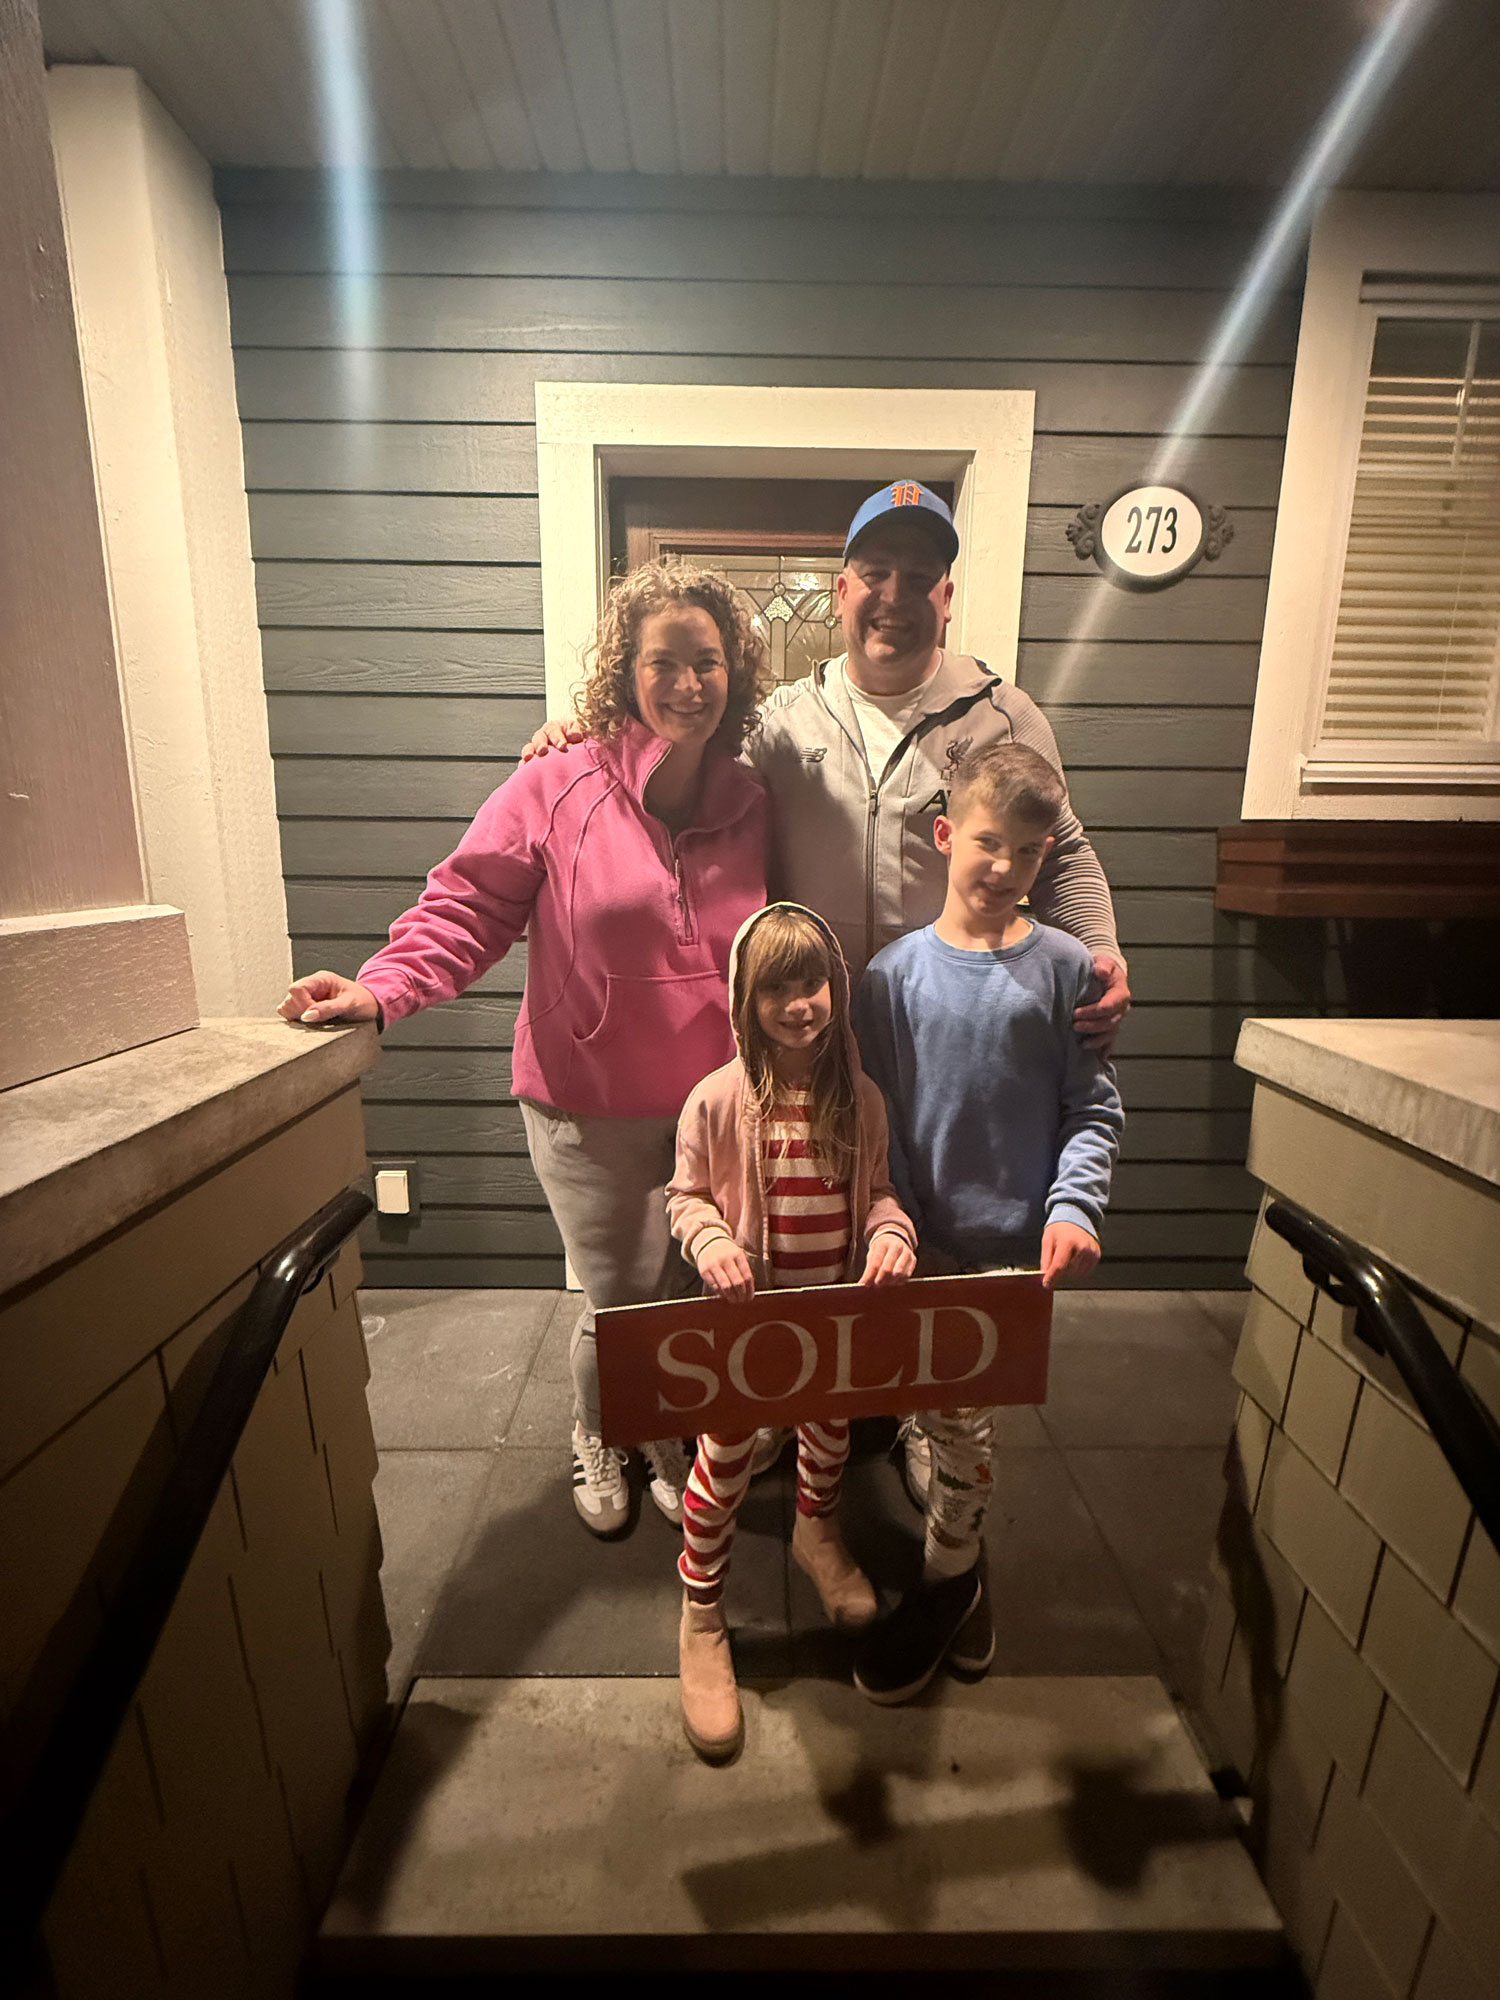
(1112, 673)
(477, 242)
(1142, 205)
(403, 849)
(305, 526)
(399, 584)
(317, 660)
(691, 316)
(1067, 467)
(495, 387)
(481, 1075)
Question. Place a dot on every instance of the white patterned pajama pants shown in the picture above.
(958, 1493)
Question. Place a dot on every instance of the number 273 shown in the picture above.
(1159, 519)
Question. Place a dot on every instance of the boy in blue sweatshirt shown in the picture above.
(1004, 1130)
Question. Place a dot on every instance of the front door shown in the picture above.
(780, 541)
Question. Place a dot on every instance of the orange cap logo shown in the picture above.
(906, 493)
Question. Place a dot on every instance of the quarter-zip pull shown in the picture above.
(685, 931)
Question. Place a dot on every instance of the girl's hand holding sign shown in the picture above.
(725, 1269)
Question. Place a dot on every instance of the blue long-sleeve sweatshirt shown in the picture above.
(1001, 1119)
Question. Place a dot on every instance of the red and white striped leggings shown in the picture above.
(720, 1478)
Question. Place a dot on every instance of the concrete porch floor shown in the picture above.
(539, 1809)
(1100, 1531)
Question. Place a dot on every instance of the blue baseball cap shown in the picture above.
(910, 500)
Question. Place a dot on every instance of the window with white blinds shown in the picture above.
(1414, 677)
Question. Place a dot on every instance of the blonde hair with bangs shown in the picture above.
(783, 947)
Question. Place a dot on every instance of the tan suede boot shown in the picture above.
(819, 1552)
(711, 1718)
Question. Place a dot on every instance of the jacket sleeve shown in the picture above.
(691, 1210)
(474, 907)
(885, 1211)
(1070, 893)
(1093, 1119)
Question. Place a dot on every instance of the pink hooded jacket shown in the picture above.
(719, 1186)
(629, 931)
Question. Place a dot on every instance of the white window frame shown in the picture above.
(1421, 236)
(591, 432)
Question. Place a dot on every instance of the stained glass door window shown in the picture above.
(791, 599)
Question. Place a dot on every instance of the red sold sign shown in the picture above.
(805, 1355)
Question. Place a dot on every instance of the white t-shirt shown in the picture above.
(885, 718)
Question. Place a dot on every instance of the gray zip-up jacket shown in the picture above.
(859, 851)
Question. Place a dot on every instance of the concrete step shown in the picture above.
(1062, 1825)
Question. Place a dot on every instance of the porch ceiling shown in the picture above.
(1147, 91)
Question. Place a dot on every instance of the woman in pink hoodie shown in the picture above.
(628, 868)
(781, 1180)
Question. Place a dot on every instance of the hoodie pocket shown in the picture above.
(676, 1023)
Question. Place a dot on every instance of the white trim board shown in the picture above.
(588, 433)
(1440, 235)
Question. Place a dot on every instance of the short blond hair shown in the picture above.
(1008, 778)
(605, 699)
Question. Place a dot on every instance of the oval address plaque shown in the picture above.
(1149, 535)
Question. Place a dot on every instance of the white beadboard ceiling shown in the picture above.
(1150, 91)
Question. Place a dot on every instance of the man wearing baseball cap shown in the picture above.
(857, 756)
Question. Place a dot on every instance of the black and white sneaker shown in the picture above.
(973, 1648)
(901, 1655)
(599, 1491)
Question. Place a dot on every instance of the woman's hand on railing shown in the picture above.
(329, 996)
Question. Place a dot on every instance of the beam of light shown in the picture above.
(1337, 135)
(341, 80)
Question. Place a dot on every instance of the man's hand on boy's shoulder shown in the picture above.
(1098, 1020)
(1068, 1252)
(553, 735)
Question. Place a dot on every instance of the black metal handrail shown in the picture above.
(1388, 1321)
(42, 1824)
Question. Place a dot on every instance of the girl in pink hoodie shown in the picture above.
(781, 1180)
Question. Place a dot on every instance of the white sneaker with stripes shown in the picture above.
(670, 1466)
(599, 1483)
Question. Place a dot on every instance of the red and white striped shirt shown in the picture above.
(807, 1211)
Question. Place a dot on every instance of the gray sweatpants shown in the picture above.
(605, 1180)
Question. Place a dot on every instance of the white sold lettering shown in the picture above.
(843, 1381)
(736, 1362)
(687, 1371)
(989, 1341)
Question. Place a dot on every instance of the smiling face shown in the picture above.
(793, 1013)
(993, 859)
(894, 596)
(681, 675)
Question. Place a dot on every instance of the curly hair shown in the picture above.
(605, 699)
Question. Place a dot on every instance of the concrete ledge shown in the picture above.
(1434, 1085)
(91, 1148)
(87, 983)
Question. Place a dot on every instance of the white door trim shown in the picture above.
(589, 432)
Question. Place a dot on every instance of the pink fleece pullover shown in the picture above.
(628, 931)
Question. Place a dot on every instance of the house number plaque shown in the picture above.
(1149, 536)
